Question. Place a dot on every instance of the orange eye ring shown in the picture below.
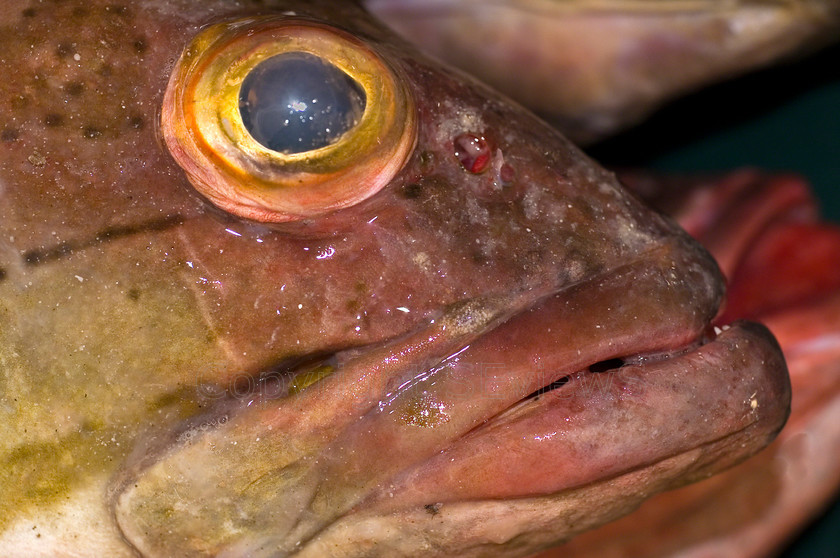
(204, 130)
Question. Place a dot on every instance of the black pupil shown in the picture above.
(296, 102)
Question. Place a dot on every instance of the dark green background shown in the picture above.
(785, 118)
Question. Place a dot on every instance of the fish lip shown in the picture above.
(583, 433)
(278, 381)
(407, 509)
(674, 359)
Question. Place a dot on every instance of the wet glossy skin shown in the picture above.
(148, 339)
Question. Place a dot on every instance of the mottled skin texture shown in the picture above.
(147, 338)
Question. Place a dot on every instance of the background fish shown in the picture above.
(594, 67)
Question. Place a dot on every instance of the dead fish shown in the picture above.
(595, 67)
(425, 324)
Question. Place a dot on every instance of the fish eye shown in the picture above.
(280, 119)
(297, 102)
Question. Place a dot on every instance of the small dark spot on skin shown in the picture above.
(133, 294)
(91, 132)
(65, 49)
(432, 509)
(28, 12)
(9, 134)
(140, 46)
(412, 191)
(479, 258)
(20, 102)
(52, 120)
(74, 88)
(2, 273)
(427, 158)
(116, 9)
(136, 123)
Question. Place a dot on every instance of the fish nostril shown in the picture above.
(473, 152)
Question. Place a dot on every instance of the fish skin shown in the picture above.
(133, 312)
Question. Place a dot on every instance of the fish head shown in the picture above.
(437, 326)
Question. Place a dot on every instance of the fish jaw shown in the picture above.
(478, 437)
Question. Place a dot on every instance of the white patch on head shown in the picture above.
(456, 120)
(531, 204)
(477, 214)
(83, 521)
(628, 233)
(576, 270)
(421, 259)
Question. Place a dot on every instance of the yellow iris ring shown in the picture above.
(203, 127)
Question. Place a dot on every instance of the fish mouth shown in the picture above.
(632, 396)
(725, 395)
(531, 399)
